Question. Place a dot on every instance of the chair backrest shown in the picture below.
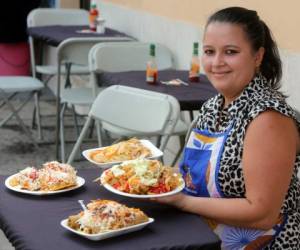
(142, 111)
(127, 56)
(75, 51)
(53, 16)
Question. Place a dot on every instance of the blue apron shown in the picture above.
(200, 168)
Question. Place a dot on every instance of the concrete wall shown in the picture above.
(282, 16)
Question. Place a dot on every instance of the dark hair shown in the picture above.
(259, 35)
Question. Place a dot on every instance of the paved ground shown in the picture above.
(17, 151)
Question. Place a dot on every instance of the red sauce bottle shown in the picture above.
(151, 71)
(93, 15)
(195, 64)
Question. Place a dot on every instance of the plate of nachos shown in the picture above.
(102, 219)
(52, 178)
(142, 178)
(123, 151)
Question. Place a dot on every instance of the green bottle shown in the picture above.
(151, 71)
(195, 64)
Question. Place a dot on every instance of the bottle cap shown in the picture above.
(195, 49)
(152, 49)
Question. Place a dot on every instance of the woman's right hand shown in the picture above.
(176, 200)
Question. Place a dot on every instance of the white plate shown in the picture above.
(109, 234)
(80, 182)
(155, 152)
(116, 191)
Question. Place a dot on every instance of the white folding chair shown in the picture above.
(72, 52)
(125, 56)
(141, 112)
(53, 16)
(19, 84)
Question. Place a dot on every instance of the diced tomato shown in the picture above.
(127, 189)
(116, 185)
(33, 175)
(161, 188)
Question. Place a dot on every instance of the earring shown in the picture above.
(257, 69)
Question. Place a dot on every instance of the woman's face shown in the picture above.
(228, 58)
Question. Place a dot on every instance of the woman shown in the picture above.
(241, 160)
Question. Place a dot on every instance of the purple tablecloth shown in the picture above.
(190, 97)
(33, 222)
(55, 34)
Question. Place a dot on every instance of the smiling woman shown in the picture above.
(228, 60)
(241, 160)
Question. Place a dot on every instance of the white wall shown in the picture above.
(176, 35)
(291, 77)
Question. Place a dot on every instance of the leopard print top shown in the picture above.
(256, 98)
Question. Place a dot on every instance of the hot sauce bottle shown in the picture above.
(151, 71)
(195, 64)
(93, 15)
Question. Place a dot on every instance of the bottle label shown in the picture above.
(151, 76)
(194, 72)
(93, 22)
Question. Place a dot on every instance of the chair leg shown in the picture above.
(99, 133)
(34, 109)
(15, 113)
(158, 141)
(57, 126)
(75, 120)
(8, 97)
(68, 73)
(103, 135)
(33, 122)
(92, 129)
(182, 143)
(38, 114)
(17, 109)
(75, 116)
(62, 133)
(46, 81)
(79, 140)
(163, 141)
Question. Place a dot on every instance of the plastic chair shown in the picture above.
(72, 52)
(52, 16)
(121, 57)
(142, 112)
(127, 56)
(10, 85)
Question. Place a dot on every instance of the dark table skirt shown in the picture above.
(33, 222)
